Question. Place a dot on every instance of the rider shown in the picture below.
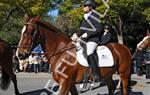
(90, 32)
(107, 35)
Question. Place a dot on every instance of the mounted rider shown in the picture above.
(90, 32)
(107, 36)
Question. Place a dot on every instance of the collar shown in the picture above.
(87, 15)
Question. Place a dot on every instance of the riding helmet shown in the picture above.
(90, 3)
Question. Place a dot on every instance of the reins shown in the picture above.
(62, 50)
(51, 53)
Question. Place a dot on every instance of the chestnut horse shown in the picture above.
(6, 64)
(60, 53)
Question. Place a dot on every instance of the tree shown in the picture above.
(12, 13)
(126, 17)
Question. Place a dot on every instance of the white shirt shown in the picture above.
(87, 15)
(31, 59)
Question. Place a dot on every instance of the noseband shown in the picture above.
(36, 31)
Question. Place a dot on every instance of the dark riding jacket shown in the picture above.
(95, 34)
(107, 38)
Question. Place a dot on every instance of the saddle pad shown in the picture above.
(105, 58)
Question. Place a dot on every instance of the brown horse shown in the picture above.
(6, 64)
(60, 53)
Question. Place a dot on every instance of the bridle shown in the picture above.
(37, 32)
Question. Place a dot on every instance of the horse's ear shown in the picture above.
(26, 18)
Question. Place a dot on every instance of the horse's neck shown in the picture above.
(53, 42)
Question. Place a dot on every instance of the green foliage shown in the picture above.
(12, 13)
(147, 13)
(66, 6)
(128, 17)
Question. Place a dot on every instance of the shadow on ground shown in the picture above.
(132, 83)
(46, 92)
(131, 93)
(38, 92)
(51, 91)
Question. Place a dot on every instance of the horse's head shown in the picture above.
(29, 38)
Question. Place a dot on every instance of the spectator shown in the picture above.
(37, 62)
(31, 63)
(44, 61)
(16, 63)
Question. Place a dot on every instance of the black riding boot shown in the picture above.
(95, 68)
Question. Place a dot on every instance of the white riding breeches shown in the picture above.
(91, 46)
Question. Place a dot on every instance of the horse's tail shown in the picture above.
(5, 80)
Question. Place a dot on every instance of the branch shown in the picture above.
(10, 13)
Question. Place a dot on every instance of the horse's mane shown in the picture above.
(49, 26)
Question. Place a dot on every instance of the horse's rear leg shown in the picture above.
(73, 90)
(125, 85)
(111, 85)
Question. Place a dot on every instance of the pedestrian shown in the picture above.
(31, 63)
(16, 63)
(37, 63)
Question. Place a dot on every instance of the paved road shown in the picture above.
(33, 84)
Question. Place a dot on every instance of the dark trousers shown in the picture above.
(16, 67)
(36, 68)
(93, 64)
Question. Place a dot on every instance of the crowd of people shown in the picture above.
(36, 62)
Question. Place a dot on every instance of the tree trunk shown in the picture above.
(120, 31)
(120, 39)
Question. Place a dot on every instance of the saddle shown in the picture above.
(102, 55)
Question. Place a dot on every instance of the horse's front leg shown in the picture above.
(64, 87)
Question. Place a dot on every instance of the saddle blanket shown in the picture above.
(105, 58)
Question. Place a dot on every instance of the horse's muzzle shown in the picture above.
(23, 56)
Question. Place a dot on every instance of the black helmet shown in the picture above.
(107, 27)
(90, 3)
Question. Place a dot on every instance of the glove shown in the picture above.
(84, 35)
(74, 37)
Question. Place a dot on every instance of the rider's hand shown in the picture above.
(74, 37)
(84, 35)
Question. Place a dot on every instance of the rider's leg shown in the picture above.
(91, 46)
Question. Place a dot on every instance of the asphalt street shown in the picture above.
(43, 84)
